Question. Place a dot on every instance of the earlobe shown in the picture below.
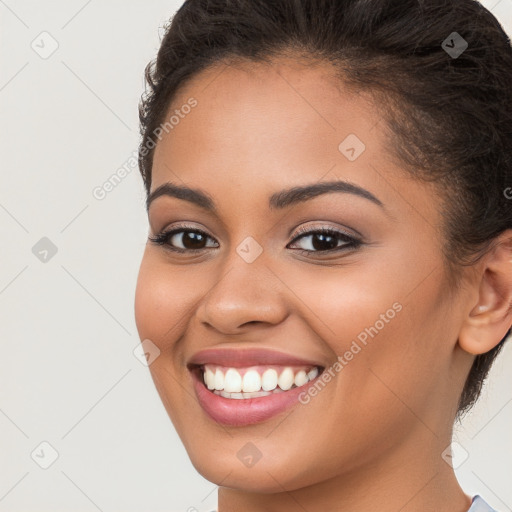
(488, 321)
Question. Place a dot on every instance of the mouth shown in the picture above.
(241, 396)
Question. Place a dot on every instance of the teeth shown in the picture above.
(253, 382)
(301, 378)
(285, 380)
(232, 381)
(209, 379)
(243, 395)
(219, 379)
(269, 380)
(313, 373)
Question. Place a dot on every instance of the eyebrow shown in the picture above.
(279, 200)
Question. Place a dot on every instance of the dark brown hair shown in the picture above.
(448, 108)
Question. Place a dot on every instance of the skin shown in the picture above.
(384, 420)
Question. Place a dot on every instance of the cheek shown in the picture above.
(163, 305)
(340, 303)
(387, 316)
(402, 357)
(147, 303)
(164, 300)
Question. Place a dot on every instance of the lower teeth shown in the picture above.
(254, 394)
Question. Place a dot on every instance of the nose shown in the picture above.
(242, 295)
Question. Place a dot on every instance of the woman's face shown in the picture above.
(376, 315)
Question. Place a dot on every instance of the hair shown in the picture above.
(448, 116)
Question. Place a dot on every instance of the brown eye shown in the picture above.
(188, 239)
(326, 240)
(183, 239)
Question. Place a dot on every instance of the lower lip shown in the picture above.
(244, 411)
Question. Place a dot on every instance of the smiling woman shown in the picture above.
(330, 221)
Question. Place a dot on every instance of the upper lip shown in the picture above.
(240, 357)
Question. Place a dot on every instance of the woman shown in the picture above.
(327, 278)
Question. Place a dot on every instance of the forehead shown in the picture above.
(276, 122)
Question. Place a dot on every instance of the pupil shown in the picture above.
(323, 244)
(194, 240)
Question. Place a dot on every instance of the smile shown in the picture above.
(255, 381)
(240, 387)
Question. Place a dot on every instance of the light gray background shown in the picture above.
(68, 375)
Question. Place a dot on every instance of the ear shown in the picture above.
(491, 316)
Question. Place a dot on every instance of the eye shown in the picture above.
(190, 239)
(326, 240)
(321, 240)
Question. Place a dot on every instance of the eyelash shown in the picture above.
(350, 242)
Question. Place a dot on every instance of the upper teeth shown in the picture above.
(253, 379)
